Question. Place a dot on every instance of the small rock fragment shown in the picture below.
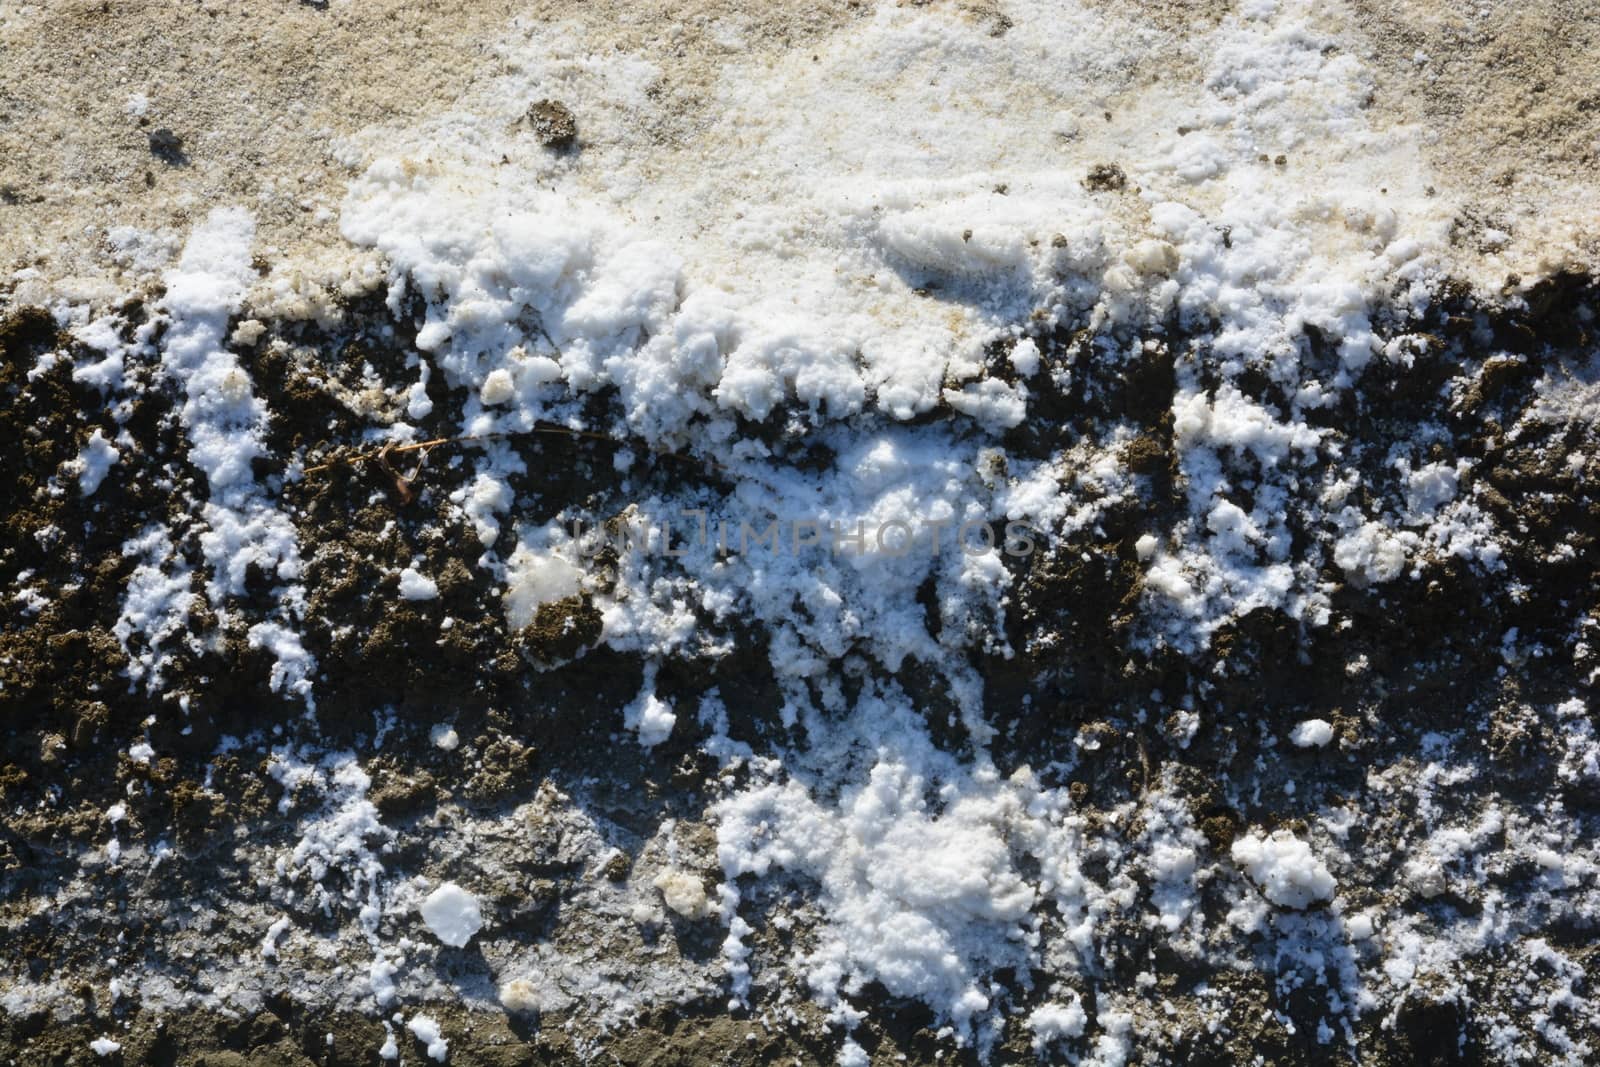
(553, 123)
(1105, 178)
(167, 147)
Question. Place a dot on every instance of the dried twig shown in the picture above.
(402, 482)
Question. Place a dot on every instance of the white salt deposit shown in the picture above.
(838, 243)
(94, 462)
(684, 893)
(1051, 1022)
(225, 423)
(1312, 733)
(414, 585)
(155, 607)
(651, 718)
(520, 997)
(1285, 868)
(425, 1028)
(452, 914)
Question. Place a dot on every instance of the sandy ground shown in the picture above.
(268, 101)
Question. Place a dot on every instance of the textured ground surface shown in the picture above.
(1276, 327)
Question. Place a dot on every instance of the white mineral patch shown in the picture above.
(1285, 868)
(684, 893)
(535, 579)
(1312, 733)
(414, 585)
(452, 914)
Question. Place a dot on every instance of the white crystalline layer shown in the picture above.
(101, 336)
(498, 387)
(914, 900)
(753, 289)
(220, 413)
(225, 423)
(380, 979)
(292, 664)
(155, 607)
(852, 1055)
(452, 914)
(1285, 868)
(343, 835)
(991, 403)
(1430, 487)
(1312, 733)
(810, 295)
(425, 1028)
(858, 259)
(269, 940)
(1372, 552)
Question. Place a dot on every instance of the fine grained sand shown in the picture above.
(271, 100)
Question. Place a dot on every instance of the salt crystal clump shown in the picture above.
(414, 585)
(519, 997)
(1051, 1022)
(1285, 868)
(93, 462)
(497, 388)
(1025, 357)
(452, 914)
(1370, 552)
(683, 893)
(534, 579)
(1431, 487)
(1312, 732)
(652, 718)
(425, 1028)
(852, 1055)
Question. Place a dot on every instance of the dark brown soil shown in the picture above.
(1430, 650)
